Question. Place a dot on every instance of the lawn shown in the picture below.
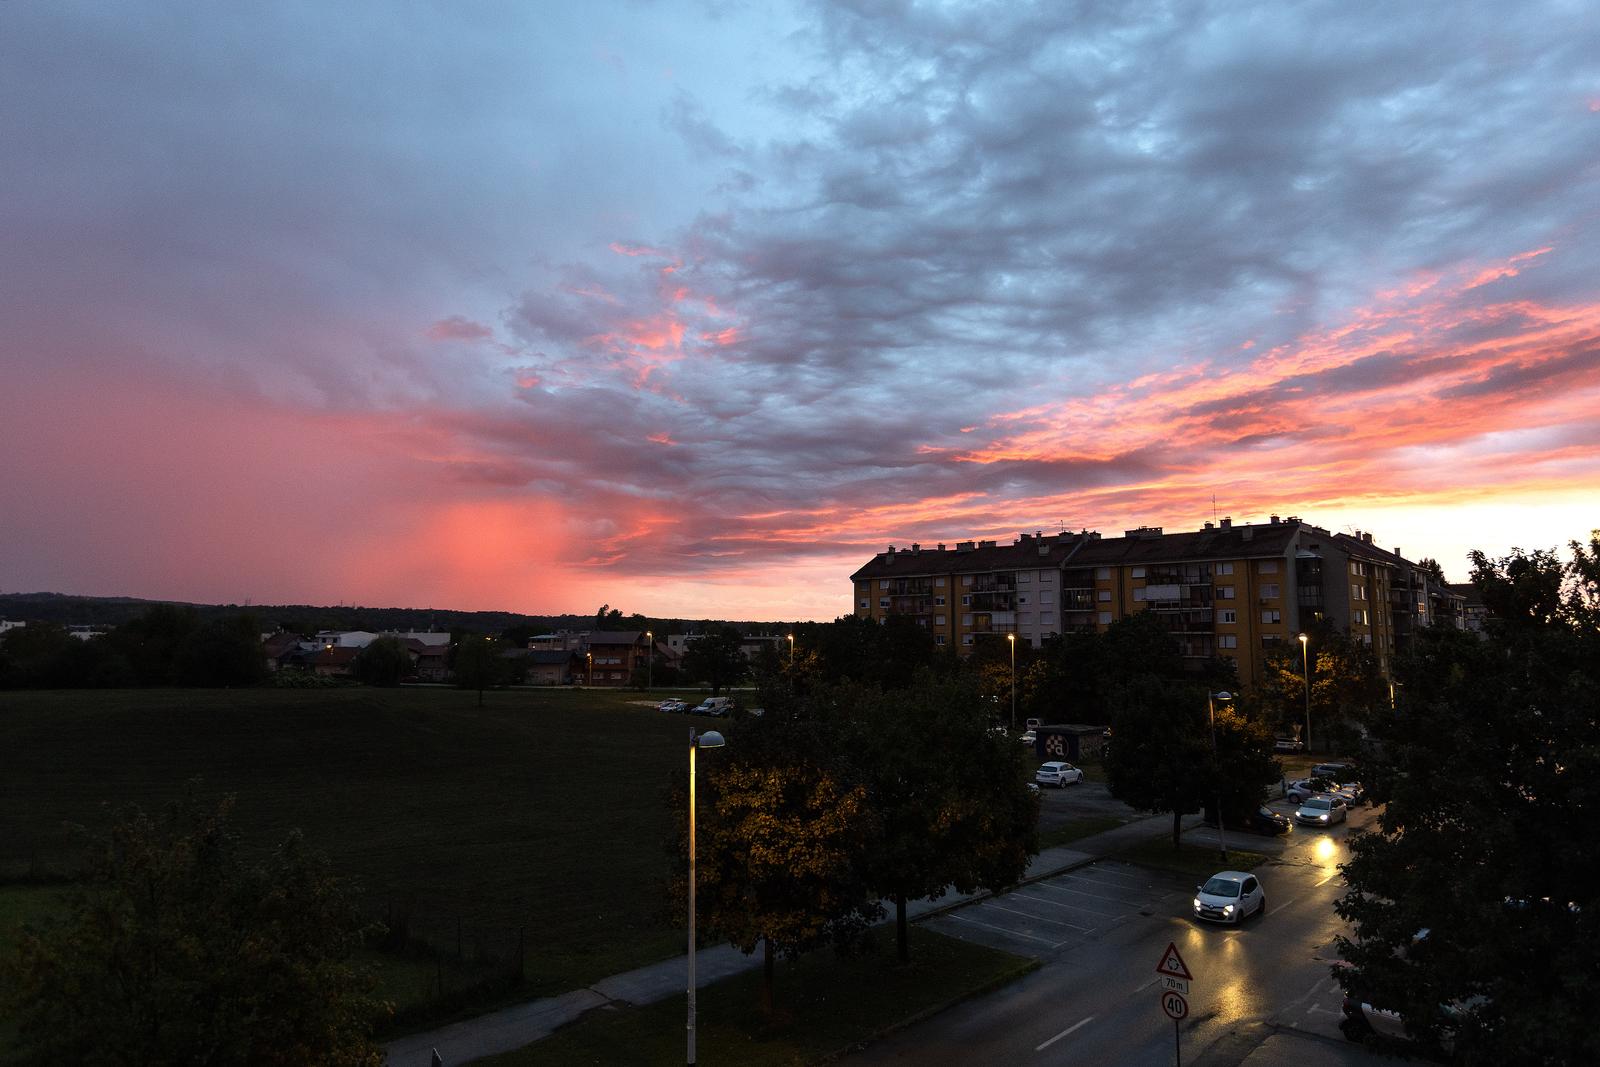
(825, 1004)
(1076, 829)
(542, 812)
(1201, 861)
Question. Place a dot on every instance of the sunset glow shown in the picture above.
(695, 329)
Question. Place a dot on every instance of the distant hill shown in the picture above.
(309, 618)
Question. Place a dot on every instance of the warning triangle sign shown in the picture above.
(1172, 963)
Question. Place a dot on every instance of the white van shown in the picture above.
(715, 706)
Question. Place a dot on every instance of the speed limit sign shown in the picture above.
(1174, 1005)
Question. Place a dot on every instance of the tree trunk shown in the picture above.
(900, 927)
(1177, 829)
(766, 978)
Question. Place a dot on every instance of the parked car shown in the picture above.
(1303, 789)
(1322, 810)
(1288, 744)
(715, 706)
(1058, 774)
(1229, 897)
(672, 707)
(1032, 724)
(1028, 738)
(1337, 771)
(1257, 820)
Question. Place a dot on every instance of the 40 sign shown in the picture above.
(1174, 1004)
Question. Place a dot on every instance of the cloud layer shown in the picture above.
(690, 310)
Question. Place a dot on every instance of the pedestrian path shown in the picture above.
(513, 1028)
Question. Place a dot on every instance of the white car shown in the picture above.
(1028, 738)
(672, 707)
(1324, 809)
(1058, 774)
(1229, 897)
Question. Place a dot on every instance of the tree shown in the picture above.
(1476, 904)
(477, 663)
(384, 662)
(783, 828)
(1159, 757)
(151, 641)
(1430, 566)
(180, 950)
(222, 652)
(717, 657)
(955, 809)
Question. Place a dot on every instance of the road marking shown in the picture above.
(1328, 879)
(1064, 1033)
(1081, 892)
(1003, 930)
(1021, 895)
(1148, 984)
(1036, 918)
(1280, 907)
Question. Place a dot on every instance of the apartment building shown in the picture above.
(1234, 590)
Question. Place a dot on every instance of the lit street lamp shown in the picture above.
(791, 650)
(1305, 672)
(588, 677)
(650, 662)
(709, 739)
(1012, 638)
(1211, 713)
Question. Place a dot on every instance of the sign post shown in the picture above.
(1174, 988)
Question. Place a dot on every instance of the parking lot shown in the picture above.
(1059, 912)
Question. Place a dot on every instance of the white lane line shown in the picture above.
(1064, 1033)
(1148, 984)
(1035, 918)
(1061, 904)
(1082, 892)
(1003, 930)
(1280, 907)
(1328, 879)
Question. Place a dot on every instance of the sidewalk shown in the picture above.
(512, 1028)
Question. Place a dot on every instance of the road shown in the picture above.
(1099, 932)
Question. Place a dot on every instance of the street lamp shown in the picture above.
(1211, 713)
(1012, 638)
(1305, 672)
(709, 739)
(650, 661)
(791, 650)
(588, 677)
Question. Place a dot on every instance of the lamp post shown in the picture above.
(791, 651)
(1012, 639)
(588, 676)
(1211, 714)
(709, 739)
(1305, 672)
(650, 662)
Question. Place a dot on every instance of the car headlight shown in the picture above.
(1227, 909)
(1196, 903)
(1322, 818)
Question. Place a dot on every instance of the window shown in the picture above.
(1104, 596)
(1270, 590)
(1022, 598)
(966, 579)
(938, 639)
(1047, 576)
(1138, 595)
(1025, 618)
(966, 620)
(966, 639)
(1227, 616)
(1047, 618)
(1224, 568)
(1138, 572)
(1105, 618)
(966, 600)
(1047, 596)
(1024, 576)
(884, 584)
(938, 583)
(883, 602)
(1358, 593)
(1227, 641)
(938, 620)
(1269, 617)
(1269, 566)
(1271, 640)
(938, 601)
(1359, 617)
(865, 605)
(1102, 574)
(1224, 592)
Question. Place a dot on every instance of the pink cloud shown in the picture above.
(457, 328)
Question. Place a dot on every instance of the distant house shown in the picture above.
(345, 638)
(336, 662)
(613, 655)
(7, 624)
(282, 650)
(429, 661)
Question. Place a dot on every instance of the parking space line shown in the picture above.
(1035, 918)
(1003, 930)
(1280, 907)
(1081, 892)
(1328, 879)
(1075, 908)
(1075, 1026)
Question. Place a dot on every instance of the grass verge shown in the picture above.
(1201, 861)
(1076, 829)
(825, 1004)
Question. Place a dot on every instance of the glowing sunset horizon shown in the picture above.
(690, 310)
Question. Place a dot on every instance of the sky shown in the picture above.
(689, 309)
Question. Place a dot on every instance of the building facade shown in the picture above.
(1233, 590)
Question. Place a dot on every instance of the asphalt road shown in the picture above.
(1261, 992)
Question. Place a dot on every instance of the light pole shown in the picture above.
(1305, 672)
(588, 676)
(1012, 639)
(650, 662)
(1211, 714)
(791, 651)
(709, 739)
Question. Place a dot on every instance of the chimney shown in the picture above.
(1399, 553)
(1227, 523)
(1208, 525)
(1367, 537)
(1274, 520)
(941, 546)
(915, 548)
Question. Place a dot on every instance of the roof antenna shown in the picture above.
(1213, 507)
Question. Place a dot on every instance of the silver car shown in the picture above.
(1229, 897)
(1324, 809)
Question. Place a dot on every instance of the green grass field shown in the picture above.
(543, 810)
